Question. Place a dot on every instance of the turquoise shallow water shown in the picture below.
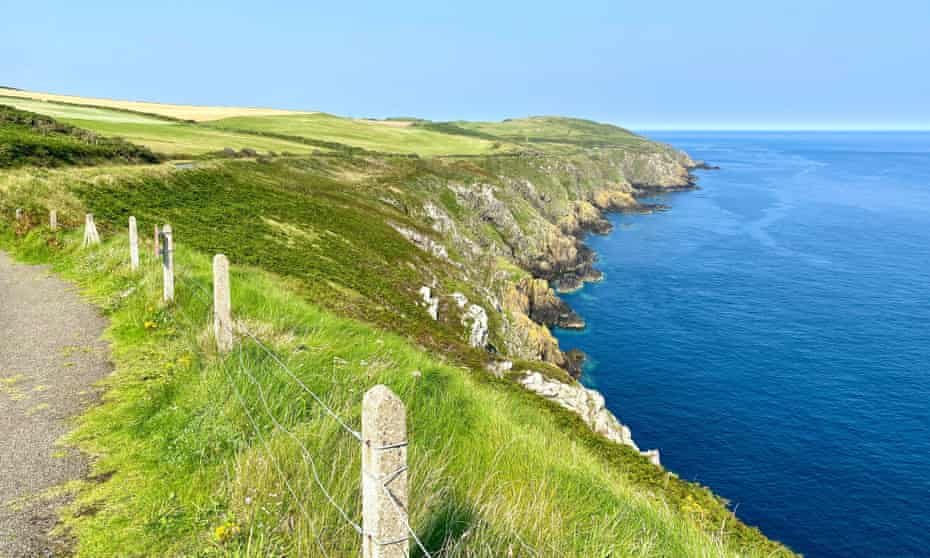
(770, 333)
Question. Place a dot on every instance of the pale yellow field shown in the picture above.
(183, 112)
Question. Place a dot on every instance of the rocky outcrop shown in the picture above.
(475, 320)
(528, 340)
(422, 241)
(587, 404)
(431, 302)
(536, 299)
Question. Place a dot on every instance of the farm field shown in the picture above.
(180, 112)
(388, 136)
(159, 134)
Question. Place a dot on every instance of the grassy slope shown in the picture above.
(370, 135)
(545, 130)
(182, 453)
(30, 139)
(179, 457)
(161, 135)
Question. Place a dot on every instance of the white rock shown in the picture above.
(589, 405)
(432, 302)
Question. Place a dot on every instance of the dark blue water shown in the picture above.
(771, 334)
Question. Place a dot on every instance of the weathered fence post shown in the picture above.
(384, 475)
(90, 231)
(222, 304)
(133, 244)
(156, 240)
(167, 258)
(53, 220)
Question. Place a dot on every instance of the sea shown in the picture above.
(769, 333)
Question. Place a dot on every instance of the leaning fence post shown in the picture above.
(167, 255)
(90, 231)
(222, 304)
(384, 475)
(53, 220)
(133, 244)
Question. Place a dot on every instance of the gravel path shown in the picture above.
(50, 356)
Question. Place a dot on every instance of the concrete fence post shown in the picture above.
(222, 304)
(133, 244)
(53, 220)
(156, 240)
(167, 259)
(384, 475)
(90, 231)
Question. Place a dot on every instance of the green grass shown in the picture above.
(159, 134)
(321, 275)
(369, 135)
(492, 467)
(551, 132)
(28, 139)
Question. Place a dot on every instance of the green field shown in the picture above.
(29, 139)
(546, 132)
(162, 135)
(384, 136)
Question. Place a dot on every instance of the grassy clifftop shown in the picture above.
(330, 254)
(28, 139)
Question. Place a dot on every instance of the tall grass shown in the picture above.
(181, 469)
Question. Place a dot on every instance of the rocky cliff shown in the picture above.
(515, 227)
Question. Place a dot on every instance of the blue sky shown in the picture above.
(646, 65)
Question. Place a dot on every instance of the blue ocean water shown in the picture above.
(770, 333)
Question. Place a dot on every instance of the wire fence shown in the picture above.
(384, 481)
(233, 367)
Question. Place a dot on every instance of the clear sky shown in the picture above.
(647, 64)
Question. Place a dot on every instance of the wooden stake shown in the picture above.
(384, 475)
(222, 304)
(167, 258)
(133, 244)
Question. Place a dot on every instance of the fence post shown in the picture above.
(53, 220)
(90, 231)
(155, 241)
(384, 475)
(19, 214)
(222, 304)
(167, 255)
(133, 244)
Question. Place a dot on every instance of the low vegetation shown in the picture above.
(198, 454)
(28, 139)
(382, 136)
(174, 138)
(181, 469)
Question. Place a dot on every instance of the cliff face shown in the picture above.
(533, 211)
(515, 227)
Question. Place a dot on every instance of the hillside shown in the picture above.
(31, 139)
(429, 274)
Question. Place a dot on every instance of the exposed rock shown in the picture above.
(526, 339)
(536, 299)
(574, 359)
(589, 405)
(431, 302)
(475, 320)
(584, 217)
(422, 241)
(500, 367)
(614, 200)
